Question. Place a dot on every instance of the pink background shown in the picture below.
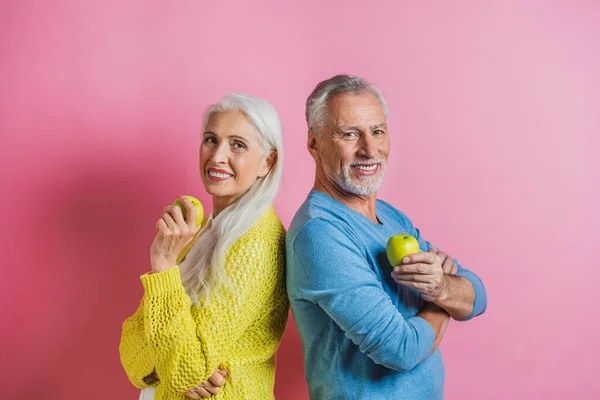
(495, 156)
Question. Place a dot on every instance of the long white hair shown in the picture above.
(204, 266)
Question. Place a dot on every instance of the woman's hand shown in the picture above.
(209, 387)
(173, 233)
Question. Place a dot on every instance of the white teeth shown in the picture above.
(366, 167)
(219, 175)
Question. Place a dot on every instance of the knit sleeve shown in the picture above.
(136, 354)
(171, 331)
(186, 355)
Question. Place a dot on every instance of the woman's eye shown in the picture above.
(378, 132)
(210, 140)
(239, 145)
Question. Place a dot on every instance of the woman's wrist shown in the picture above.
(161, 264)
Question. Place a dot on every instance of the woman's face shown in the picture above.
(231, 157)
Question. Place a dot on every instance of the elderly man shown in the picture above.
(370, 330)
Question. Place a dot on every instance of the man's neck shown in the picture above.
(366, 205)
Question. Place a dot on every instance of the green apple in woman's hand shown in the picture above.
(196, 203)
(174, 232)
(399, 246)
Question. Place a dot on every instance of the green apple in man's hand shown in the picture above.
(399, 246)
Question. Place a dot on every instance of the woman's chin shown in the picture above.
(217, 189)
(221, 191)
(222, 196)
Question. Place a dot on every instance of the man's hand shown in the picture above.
(449, 266)
(426, 272)
(209, 387)
(454, 294)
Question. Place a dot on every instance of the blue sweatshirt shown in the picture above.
(360, 333)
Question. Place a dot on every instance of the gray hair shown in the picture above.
(316, 104)
(204, 266)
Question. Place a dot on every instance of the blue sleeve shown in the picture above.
(332, 270)
(480, 294)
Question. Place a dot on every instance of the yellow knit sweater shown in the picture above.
(238, 329)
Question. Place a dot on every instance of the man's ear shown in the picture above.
(313, 144)
(267, 163)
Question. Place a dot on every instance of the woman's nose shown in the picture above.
(220, 154)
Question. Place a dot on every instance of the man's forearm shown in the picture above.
(457, 298)
(438, 318)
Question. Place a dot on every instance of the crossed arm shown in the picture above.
(429, 273)
(139, 360)
(442, 281)
(327, 267)
(163, 334)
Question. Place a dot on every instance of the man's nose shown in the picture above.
(368, 147)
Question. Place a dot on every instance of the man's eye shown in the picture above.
(350, 134)
(210, 140)
(378, 132)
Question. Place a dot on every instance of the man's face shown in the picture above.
(353, 147)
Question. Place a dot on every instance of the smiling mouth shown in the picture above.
(366, 168)
(219, 175)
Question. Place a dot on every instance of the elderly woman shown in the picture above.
(214, 305)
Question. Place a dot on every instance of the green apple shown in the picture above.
(196, 203)
(399, 246)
